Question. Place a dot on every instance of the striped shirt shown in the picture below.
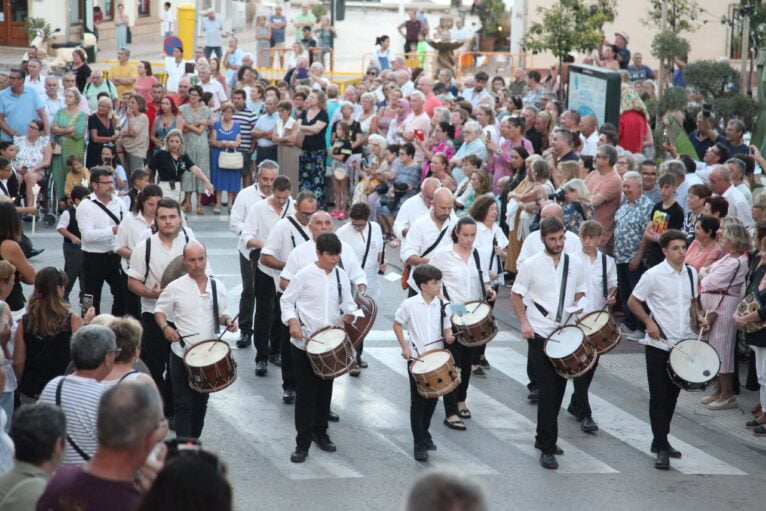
(79, 400)
(246, 119)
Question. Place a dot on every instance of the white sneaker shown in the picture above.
(632, 335)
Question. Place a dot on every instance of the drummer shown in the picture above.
(148, 262)
(185, 301)
(667, 290)
(319, 296)
(168, 165)
(463, 281)
(602, 289)
(428, 326)
(543, 283)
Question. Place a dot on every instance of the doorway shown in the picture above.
(12, 16)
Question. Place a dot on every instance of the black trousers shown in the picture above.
(247, 298)
(579, 401)
(551, 388)
(463, 356)
(312, 400)
(155, 350)
(285, 347)
(626, 281)
(97, 269)
(421, 412)
(532, 385)
(663, 394)
(265, 153)
(267, 330)
(132, 300)
(72, 268)
(190, 405)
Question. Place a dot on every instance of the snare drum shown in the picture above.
(570, 351)
(209, 366)
(693, 364)
(476, 327)
(601, 330)
(331, 353)
(435, 374)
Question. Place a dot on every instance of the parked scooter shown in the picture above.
(60, 54)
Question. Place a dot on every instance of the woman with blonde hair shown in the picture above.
(127, 364)
(171, 165)
(576, 206)
(564, 172)
(7, 273)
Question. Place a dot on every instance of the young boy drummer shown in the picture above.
(428, 325)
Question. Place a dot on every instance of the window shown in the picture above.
(107, 9)
(735, 32)
(144, 6)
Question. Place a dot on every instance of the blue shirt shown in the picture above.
(266, 122)
(235, 59)
(20, 110)
(277, 34)
(212, 29)
(640, 73)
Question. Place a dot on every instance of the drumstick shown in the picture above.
(699, 337)
(674, 346)
(182, 337)
(608, 297)
(220, 336)
(309, 339)
(415, 359)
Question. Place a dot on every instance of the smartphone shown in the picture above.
(87, 303)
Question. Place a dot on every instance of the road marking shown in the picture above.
(619, 423)
(268, 431)
(388, 335)
(506, 424)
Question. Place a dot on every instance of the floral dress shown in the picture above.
(197, 147)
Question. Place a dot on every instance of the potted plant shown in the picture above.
(494, 23)
(35, 25)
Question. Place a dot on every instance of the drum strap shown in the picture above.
(298, 227)
(340, 289)
(493, 257)
(76, 447)
(481, 274)
(563, 291)
(215, 306)
(148, 254)
(603, 275)
(369, 241)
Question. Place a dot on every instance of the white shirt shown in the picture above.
(305, 255)
(312, 298)
(475, 97)
(533, 244)
(260, 220)
(129, 233)
(96, 226)
(216, 89)
(421, 236)
(460, 278)
(358, 243)
(412, 209)
(746, 193)
(191, 311)
(738, 206)
(282, 239)
(423, 322)
(461, 34)
(175, 73)
(407, 88)
(52, 106)
(64, 219)
(246, 199)
(590, 145)
(595, 268)
(668, 293)
(539, 282)
(160, 257)
(486, 248)
(38, 86)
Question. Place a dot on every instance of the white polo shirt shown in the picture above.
(668, 293)
(539, 282)
(459, 277)
(245, 201)
(283, 238)
(260, 220)
(191, 311)
(312, 298)
(423, 322)
(533, 244)
(595, 269)
(358, 243)
(412, 209)
(130, 233)
(96, 225)
(738, 206)
(422, 234)
(305, 255)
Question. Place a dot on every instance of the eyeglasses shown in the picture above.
(650, 174)
(372, 73)
(104, 182)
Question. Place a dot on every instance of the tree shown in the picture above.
(757, 12)
(683, 15)
(717, 82)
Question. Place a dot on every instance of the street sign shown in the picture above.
(170, 44)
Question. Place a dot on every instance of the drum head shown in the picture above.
(206, 353)
(475, 313)
(328, 340)
(699, 364)
(430, 361)
(173, 270)
(593, 322)
(564, 341)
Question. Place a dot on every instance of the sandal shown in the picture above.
(200, 210)
(465, 413)
(457, 425)
(216, 211)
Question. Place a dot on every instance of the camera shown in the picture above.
(558, 195)
(707, 110)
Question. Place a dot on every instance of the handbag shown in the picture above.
(749, 304)
(231, 160)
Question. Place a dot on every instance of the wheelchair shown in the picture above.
(47, 202)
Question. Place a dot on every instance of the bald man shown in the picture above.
(589, 130)
(533, 243)
(415, 207)
(720, 183)
(428, 233)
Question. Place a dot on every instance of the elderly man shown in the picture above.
(416, 124)
(93, 351)
(124, 73)
(52, 101)
(35, 80)
(721, 184)
(629, 245)
(130, 425)
(19, 105)
(738, 169)
(414, 207)
(213, 29)
(214, 87)
(518, 86)
(589, 130)
(39, 437)
(570, 120)
(96, 86)
(735, 130)
(445, 77)
(605, 187)
(182, 96)
(404, 82)
(426, 86)
(639, 71)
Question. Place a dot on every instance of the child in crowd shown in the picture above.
(465, 192)
(340, 152)
(426, 321)
(138, 179)
(422, 48)
(602, 286)
(77, 175)
(666, 214)
(68, 228)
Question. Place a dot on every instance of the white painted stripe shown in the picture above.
(618, 423)
(505, 423)
(269, 433)
(388, 335)
(369, 409)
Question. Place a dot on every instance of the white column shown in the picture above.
(518, 25)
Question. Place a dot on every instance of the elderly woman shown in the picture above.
(197, 120)
(371, 174)
(401, 107)
(102, 129)
(316, 80)
(721, 292)
(68, 128)
(625, 163)
(33, 155)
(368, 118)
(311, 163)
(472, 144)
(127, 365)
(704, 250)
(386, 111)
(576, 206)
(485, 116)
(225, 136)
(135, 135)
(499, 154)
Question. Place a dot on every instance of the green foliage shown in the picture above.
(319, 10)
(737, 105)
(673, 98)
(570, 25)
(32, 25)
(757, 25)
(667, 46)
(494, 18)
(683, 15)
(710, 78)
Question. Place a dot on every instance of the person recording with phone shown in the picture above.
(110, 162)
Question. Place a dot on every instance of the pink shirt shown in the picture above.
(417, 122)
(431, 103)
(696, 258)
(610, 187)
(143, 86)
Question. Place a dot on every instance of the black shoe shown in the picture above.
(663, 460)
(478, 371)
(35, 252)
(430, 445)
(324, 443)
(549, 461)
(559, 451)
(483, 363)
(588, 425)
(421, 453)
(362, 363)
(673, 453)
(276, 359)
(333, 417)
(299, 456)
(244, 341)
(261, 368)
(533, 395)
(572, 411)
(355, 371)
(288, 396)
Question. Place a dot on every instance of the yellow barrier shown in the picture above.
(158, 69)
(494, 63)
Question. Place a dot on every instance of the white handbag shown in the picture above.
(231, 160)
